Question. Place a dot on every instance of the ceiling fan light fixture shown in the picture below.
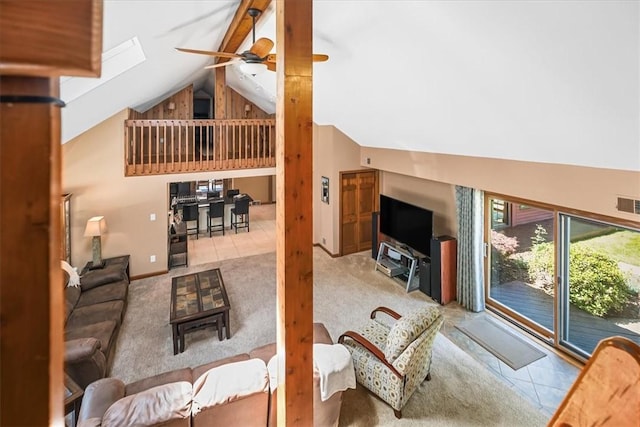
(253, 68)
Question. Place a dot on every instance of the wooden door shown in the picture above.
(358, 201)
(348, 205)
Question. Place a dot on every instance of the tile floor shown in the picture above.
(260, 239)
(544, 382)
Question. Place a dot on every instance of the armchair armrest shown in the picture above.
(371, 348)
(83, 361)
(385, 310)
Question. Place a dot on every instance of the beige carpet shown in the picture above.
(346, 289)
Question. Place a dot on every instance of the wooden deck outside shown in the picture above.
(585, 330)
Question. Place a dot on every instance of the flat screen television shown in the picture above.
(406, 223)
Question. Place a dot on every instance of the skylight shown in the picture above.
(115, 61)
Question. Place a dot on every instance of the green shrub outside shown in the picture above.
(597, 284)
(541, 265)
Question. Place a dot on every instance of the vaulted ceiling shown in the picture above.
(546, 81)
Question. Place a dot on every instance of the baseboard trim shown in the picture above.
(326, 250)
(144, 276)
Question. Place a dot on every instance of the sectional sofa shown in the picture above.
(236, 391)
(94, 312)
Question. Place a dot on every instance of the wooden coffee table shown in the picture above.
(198, 301)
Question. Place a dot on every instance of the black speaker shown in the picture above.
(425, 276)
(374, 234)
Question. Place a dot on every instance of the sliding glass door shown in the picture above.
(519, 232)
(599, 283)
(570, 280)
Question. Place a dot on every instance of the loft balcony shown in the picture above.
(158, 147)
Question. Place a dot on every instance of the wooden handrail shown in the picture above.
(154, 147)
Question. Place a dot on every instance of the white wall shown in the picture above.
(542, 81)
(333, 152)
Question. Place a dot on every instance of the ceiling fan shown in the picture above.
(254, 60)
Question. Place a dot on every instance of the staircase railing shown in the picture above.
(155, 147)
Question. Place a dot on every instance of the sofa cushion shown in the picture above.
(320, 334)
(154, 406)
(102, 331)
(264, 353)
(109, 292)
(199, 370)
(96, 313)
(71, 297)
(68, 309)
(110, 273)
(267, 351)
(228, 383)
(178, 375)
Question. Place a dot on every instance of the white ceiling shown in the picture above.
(547, 81)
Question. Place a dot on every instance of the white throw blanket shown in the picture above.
(74, 279)
(333, 364)
(335, 367)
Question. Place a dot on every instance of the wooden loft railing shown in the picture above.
(156, 147)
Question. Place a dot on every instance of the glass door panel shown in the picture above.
(521, 262)
(600, 282)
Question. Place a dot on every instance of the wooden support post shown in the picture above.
(294, 212)
(31, 301)
(220, 102)
(40, 39)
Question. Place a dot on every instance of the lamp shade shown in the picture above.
(253, 68)
(96, 226)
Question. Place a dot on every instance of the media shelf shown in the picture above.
(399, 264)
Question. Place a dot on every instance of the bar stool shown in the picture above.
(189, 214)
(240, 214)
(216, 211)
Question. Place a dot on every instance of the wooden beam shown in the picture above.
(55, 37)
(294, 212)
(240, 26)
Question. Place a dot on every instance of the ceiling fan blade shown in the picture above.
(209, 53)
(222, 64)
(261, 47)
(317, 57)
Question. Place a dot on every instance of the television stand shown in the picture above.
(399, 264)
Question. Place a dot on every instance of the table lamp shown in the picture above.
(96, 227)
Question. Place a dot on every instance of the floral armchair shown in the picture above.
(392, 360)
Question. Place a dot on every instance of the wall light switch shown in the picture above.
(152, 217)
(152, 258)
